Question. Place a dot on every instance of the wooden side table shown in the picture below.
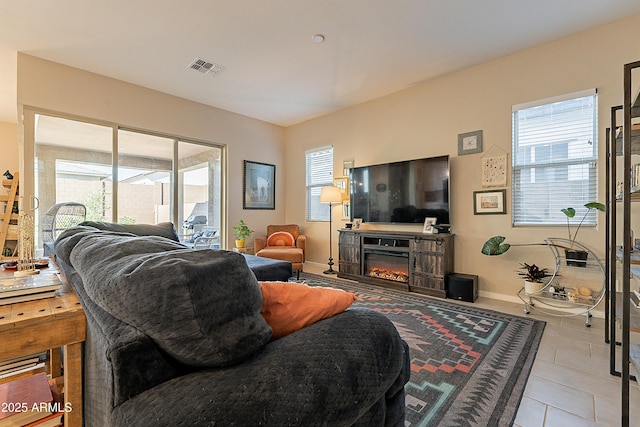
(247, 250)
(49, 324)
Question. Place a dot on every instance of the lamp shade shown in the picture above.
(330, 195)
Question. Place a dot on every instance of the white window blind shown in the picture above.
(554, 159)
(319, 174)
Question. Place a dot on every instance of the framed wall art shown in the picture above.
(259, 186)
(490, 202)
(470, 142)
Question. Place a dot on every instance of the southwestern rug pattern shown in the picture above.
(469, 366)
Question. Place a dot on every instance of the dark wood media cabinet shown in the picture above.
(410, 261)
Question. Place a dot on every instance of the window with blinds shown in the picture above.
(554, 159)
(319, 174)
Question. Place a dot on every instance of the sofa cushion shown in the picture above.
(200, 307)
(288, 307)
(163, 229)
(281, 238)
(284, 253)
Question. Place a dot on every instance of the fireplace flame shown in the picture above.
(387, 274)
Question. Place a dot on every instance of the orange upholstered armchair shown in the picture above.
(282, 242)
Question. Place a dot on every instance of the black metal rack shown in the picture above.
(630, 109)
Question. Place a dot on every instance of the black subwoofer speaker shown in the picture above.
(463, 287)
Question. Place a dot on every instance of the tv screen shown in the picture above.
(402, 192)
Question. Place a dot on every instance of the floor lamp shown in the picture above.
(330, 195)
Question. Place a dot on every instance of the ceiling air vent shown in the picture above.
(205, 67)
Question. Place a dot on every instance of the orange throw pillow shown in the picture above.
(288, 307)
(281, 238)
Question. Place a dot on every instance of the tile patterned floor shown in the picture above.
(570, 384)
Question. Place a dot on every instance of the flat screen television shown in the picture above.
(402, 192)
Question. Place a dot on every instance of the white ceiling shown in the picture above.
(273, 70)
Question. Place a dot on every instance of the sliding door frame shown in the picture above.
(27, 155)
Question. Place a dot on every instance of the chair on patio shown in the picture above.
(207, 239)
(282, 242)
(58, 218)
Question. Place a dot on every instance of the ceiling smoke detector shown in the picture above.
(205, 67)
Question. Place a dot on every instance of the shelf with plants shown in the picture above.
(573, 288)
(578, 281)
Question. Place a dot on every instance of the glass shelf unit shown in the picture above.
(583, 283)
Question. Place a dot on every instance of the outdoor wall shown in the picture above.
(143, 201)
(424, 121)
(58, 88)
(8, 147)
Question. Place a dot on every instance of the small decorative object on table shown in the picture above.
(26, 265)
(558, 291)
(428, 226)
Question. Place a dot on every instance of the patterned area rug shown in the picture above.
(469, 366)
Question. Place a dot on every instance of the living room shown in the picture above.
(420, 121)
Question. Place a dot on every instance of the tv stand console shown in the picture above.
(410, 261)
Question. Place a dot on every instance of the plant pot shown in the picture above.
(239, 244)
(576, 258)
(531, 288)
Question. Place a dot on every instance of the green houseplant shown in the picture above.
(533, 276)
(242, 232)
(571, 212)
(578, 258)
(496, 245)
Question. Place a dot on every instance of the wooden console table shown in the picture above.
(49, 324)
(429, 258)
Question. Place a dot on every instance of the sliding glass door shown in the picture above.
(126, 176)
(73, 163)
(199, 180)
(144, 176)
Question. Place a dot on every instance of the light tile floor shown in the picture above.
(569, 384)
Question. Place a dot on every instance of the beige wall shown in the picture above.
(424, 121)
(59, 88)
(8, 147)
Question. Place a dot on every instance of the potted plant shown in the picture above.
(242, 232)
(533, 276)
(578, 258)
(558, 291)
